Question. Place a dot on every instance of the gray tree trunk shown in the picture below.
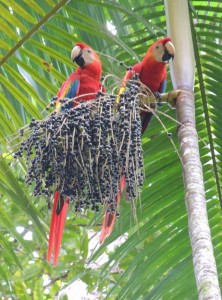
(182, 74)
(199, 231)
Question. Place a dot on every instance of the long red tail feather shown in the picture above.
(109, 217)
(57, 227)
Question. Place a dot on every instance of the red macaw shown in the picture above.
(152, 73)
(84, 81)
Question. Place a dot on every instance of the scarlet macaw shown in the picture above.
(84, 81)
(152, 73)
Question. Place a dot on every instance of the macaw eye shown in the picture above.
(89, 51)
(157, 47)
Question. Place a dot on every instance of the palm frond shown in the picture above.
(36, 39)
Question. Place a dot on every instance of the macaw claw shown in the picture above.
(159, 99)
(170, 97)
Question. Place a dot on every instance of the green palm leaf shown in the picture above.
(36, 39)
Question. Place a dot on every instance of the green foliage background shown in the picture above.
(36, 38)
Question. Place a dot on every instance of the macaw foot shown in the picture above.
(170, 97)
(159, 99)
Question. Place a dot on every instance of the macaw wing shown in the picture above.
(162, 88)
(69, 89)
(146, 117)
(163, 84)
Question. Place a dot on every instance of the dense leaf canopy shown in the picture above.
(36, 40)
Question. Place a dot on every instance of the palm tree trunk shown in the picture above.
(182, 74)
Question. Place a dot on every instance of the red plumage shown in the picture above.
(152, 73)
(84, 84)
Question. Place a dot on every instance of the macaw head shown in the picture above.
(84, 55)
(161, 51)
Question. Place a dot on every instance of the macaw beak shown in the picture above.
(77, 57)
(169, 52)
(79, 60)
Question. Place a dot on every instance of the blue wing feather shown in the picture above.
(162, 88)
(146, 118)
(72, 92)
(69, 89)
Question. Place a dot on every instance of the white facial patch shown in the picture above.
(158, 51)
(88, 55)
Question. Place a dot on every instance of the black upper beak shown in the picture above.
(79, 60)
(166, 56)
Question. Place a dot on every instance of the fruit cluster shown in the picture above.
(83, 151)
